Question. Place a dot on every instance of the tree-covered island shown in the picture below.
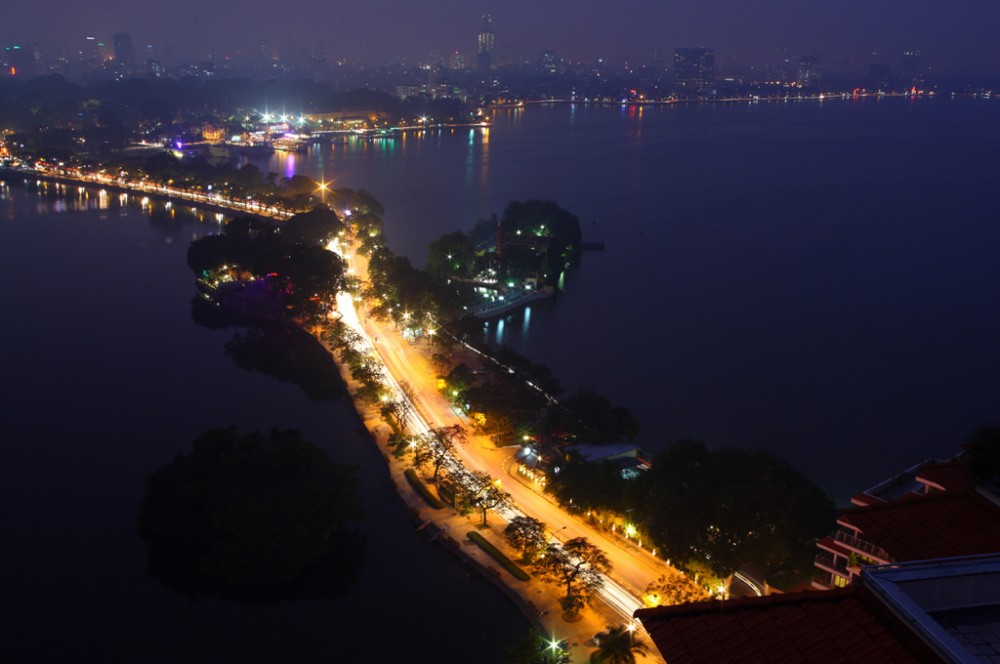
(252, 517)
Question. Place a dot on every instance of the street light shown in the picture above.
(556, 649)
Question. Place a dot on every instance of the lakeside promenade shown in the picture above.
(403, 360)
(537, 600)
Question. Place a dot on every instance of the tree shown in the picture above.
(398, 410)
(544, 219)
(579, 566)
(451, 255)
(482, 493)
(589, 485)
(536, 648)
(458, 380)
(316, 227)
(672, 588)
(592, 417)
(619, 646)
(732, 507)
(983, 454)
(441, 362)
(340, 336)
(246, 510)
(310, 277)
(437, 446)
(527, 534)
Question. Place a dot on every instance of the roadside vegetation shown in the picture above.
(498, 556)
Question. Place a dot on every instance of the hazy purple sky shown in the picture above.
(950, 33)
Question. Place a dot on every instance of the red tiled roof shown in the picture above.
(835, 626)
(938, 525)
(949, 475)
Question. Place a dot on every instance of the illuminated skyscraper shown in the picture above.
(485, 43)
(809, 71)
(124, 50)
(912, 69)
(694, 69)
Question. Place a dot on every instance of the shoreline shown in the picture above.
(534, 598)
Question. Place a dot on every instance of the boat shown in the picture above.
(251, 149)
(287, 144)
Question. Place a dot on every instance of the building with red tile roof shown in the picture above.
(930, 511)
(929, 611)
(843, 625)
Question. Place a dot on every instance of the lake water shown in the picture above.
(818, 280)
(105, 378)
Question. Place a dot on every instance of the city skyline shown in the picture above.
(851, 34)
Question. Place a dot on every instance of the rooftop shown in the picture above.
(844, 625)
(943, 610)
(938, 525)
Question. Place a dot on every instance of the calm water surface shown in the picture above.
(107, 378)
(814, 279)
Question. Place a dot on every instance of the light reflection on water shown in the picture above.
(57, 198)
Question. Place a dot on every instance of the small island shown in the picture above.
(252, 517)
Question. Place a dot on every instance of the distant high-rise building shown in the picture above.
(124, 50)
(549, 62)
(18, 60)
(694, 69)
(456, 61)
(912, 69)
(484, 42)
(656, 58)
(878, 77)
(264, 52)
(809, 71)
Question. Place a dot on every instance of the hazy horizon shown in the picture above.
(848, 34)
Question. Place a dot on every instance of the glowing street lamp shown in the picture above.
(322, 191)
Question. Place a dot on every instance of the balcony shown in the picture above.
(867, 549)
(828, 562)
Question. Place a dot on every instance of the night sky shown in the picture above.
(952, 36)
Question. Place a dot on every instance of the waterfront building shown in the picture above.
(920, 612)
(485, 42)
(932, 510)
(694, 70)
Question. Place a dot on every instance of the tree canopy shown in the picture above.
(592, 418)
(982, 451)
(293, 265)
(526, 534)
(577, 565)
(732, 507)
(249, 511)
